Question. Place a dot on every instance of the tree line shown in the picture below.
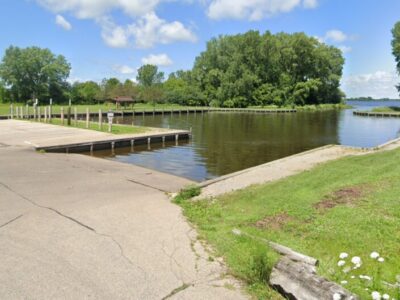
(234, 71)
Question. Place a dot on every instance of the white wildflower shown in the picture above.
(385, 296)
(344, 282)
(352, 277)
(374, 255)
(376, 295)
(381, 259)
(341, 263)
(365, 277)
(356, 260)
(357, 266)
(337, 296)
(347, 270)
(343, 255)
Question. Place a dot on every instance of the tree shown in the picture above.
(149, 75)
(85, 92)
(33, 72)
(254, 69)
(396, 47)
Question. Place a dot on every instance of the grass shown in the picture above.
(387, 109)
(349, 205)
(94, 108)
(116, 128)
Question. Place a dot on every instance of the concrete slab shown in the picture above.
(73, 226)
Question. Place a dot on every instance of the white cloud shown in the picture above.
(157, 60)
(147, 30)
(60, 21)
(310, 3)
(150, 29)
(345, 49)
(336, 36)
(380, 84)
(92, 9)
(113, 35)
(254, 10)
(123, 69)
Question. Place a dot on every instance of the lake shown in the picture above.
(227, 142)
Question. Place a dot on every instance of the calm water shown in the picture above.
(227, 142)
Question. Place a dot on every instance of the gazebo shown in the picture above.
(123, 101)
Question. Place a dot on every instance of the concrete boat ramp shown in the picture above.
(78, 227)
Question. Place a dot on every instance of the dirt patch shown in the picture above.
(274, 222)
(345, 196)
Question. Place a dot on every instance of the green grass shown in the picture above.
(385, 109)
(116, 128)
(370, 221)
(94, 108)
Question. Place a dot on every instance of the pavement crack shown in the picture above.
(176, 291)
(146, 185)
(46, 207)
(9, 222)
(73, 220)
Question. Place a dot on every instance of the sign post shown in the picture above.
(110, 116)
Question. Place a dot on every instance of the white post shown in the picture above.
(39, 114)
(62, 115)
(87, 117)
(75, 116)
(100, 119)
(34, 112)
(27, 111)
(21, 112)
(12, 111)
(45, 114)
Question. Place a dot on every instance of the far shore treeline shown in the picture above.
(234, 71)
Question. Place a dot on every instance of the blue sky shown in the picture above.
(105, 38)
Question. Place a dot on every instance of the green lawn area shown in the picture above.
(94, 108)
(349, 205)
(387, 109)
(116, 128)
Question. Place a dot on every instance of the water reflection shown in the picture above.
(227, 142)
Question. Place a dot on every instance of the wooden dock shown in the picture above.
(118, 142)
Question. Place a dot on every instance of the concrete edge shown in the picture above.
(361, 149)
(227, 176)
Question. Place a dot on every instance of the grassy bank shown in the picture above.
(350, 205)
(387, 109)
(94, 108)
(116, 128)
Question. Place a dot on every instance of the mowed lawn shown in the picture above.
(350, 205)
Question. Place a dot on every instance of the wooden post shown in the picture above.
(87, 117)
(100, 119)
(62, 115)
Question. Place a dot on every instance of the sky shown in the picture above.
(113, 38)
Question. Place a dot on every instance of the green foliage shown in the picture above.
(148, 75)
(187, 193)
(85, 92)
(282, 69)
(396, 47)
(33, 72)
(365, 217)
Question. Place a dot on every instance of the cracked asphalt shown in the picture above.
(78, 227)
